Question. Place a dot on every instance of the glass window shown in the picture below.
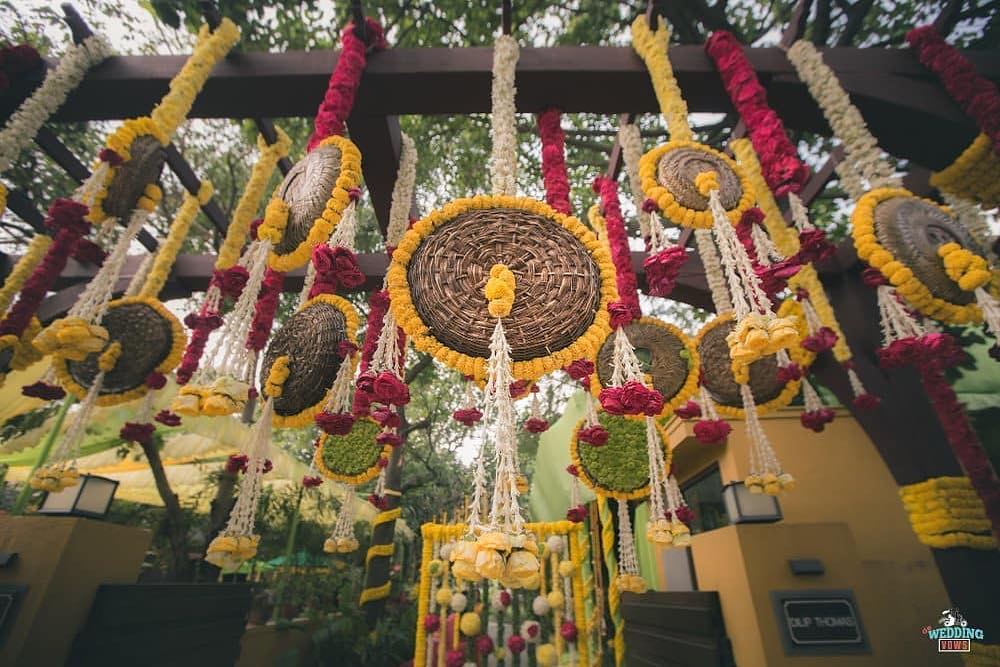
(703, 494)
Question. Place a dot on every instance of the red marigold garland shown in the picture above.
(621, 255)
(780, 163)
(977, 95)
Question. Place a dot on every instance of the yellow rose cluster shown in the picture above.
(510, 559)
(974, 175)
(167, 253)
(225, 396)
(53, 478)
(672, 209)
(585, 347)
(631, 583)
(33, 254)
(229, 552)
(901, 277)
(276, 376)
(499, 290)
(963, 266)
(72, 338)
(672, 532)
(755, 337)
(253, 193)
(340, 545)
(770, 483)
(946, 512)
(276, 216)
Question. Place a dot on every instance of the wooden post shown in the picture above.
(906, 433)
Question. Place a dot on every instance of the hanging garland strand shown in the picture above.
(554, 174)
(627, 307)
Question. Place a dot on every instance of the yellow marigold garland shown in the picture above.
(652, 48)
(276, 377)
(351, 323)
(781, 400)
(974, 175)
(276, 215)
(586, 346)
(787, 242)
(24, 353)
(902, 278)
(946, 513)
(253, 193)
(690, 386)
(965, 267)
(166, 255)
(61, 367)
(33, 254)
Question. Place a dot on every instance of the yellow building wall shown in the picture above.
(846, 512)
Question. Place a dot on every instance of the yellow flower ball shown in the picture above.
(546, 656)
(443, 596)
(566, 568)
(489, 563)
(556, 599)
(471, 624)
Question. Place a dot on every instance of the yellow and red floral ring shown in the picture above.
(565, 280)
(309, 340)
(620, 468)
(152, 341)
(353, 458)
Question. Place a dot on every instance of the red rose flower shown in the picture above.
(635, 397)
(873, 278)
(684, 514)
(385, 417)
(813, 246)
(484, 645)
(711, 431)
(516, 644)
(621, 314)
(596, 435)
(467, 416)
(518, 388)
(654, 403)
(789, 373)
(663, 268)
(339, 423)
(580, 369)
(379, 502)
(536, 425)
(389, 438)
(577, 514)
(389, 389)
(231, 281)
(156, 380)
(817, 420)
(572, 470)
(311, 481)
(866, 401)
(455, 657)
(267, 466)
(821, 341)
(346, 348)
(167, 418)
(611, 400)
(505, 598)
(689, 410)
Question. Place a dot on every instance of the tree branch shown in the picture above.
(414, 371)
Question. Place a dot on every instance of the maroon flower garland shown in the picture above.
(977, 95)
(343, 85)
(15, 61)
(554, 174)
(780, 163)
(626, 308)
(267, 306)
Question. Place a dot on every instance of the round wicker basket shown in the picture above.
(151, 339)
(146, 158)
(673, 360)
(563, 285)
(309, 339)
(912, 229)
(305, 190)
(678, 168)
(717, 373)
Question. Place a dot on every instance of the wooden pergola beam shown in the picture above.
(898, 97)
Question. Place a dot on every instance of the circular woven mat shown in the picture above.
(309, 339)
(306, 189)
(558, 283)
(131, 178)
(678, 168)
(620, 468)
(348, 456)
(717, 374)
(667, 367)
(912, 230)
(146, 337)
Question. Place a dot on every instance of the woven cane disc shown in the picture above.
(912, 230)
(131, 178)
(717, 373)
(146, 336)
(558, 283)
(667, 367)
(309, 339)
(678, 168)
(305, 190)
(353, 457)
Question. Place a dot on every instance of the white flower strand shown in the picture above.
(656, 473)
(232, 358)
(856, 385)
(713, 271)
(762, 457)
(627, 560)
(503, 121)
(744, 285)
(813, 322)
(895, 321)
(631, 143)
(23, 125)
(387, 352)
(505, 513)
(707, 404)
(863, 160)
(765, 249)
(402, 191)
(800, 213)
(625, 366)
(344, 526)
(991, 310)
(69, 446)
(339, 398)
(241, 520)
(135, 284)
(810, 397)
(475, 519)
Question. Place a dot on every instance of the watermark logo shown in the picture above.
(953, 634)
